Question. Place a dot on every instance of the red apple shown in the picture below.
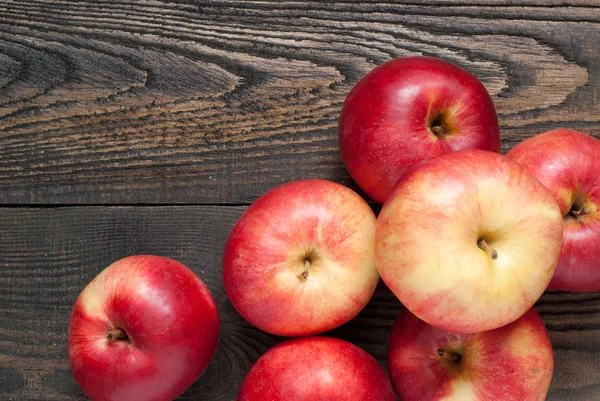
(468, 241)
(316, 368)
(144, 329)
(408, 110)
(567, 163)
(300, 259)
(511, 363)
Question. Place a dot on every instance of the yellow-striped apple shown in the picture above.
(300, 260)
(511, 363)
(408, 110)
(468, 240)
(316, 368)
(568, 163)
(144, 329)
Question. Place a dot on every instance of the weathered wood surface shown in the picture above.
(208, 104)
(210, 101)
(50, 254)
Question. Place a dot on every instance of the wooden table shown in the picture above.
(133, 127)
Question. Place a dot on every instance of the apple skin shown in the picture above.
(170, 319)
(429, 241)
(300, 260)
(511, 363)
(316, 368)
(567, 163)
(387, 121)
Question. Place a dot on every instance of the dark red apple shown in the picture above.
(568, 163)
(144, 329)
(408, 110)
(316, 368)
(511, 363)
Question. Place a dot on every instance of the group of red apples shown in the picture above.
(467, 239)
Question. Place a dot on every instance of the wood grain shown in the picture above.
(48, 255)
(213, 102)
(206, 104)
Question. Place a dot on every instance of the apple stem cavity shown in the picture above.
(486, 247)
(438, 125)
(449, 356)
(117, 334)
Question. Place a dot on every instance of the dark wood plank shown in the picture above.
(47, 256)
(213, 102)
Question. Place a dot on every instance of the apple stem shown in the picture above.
(450, 356)
(437, 130)
(486, 247)
(304, 275)
(117, 334)
(575, 213)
